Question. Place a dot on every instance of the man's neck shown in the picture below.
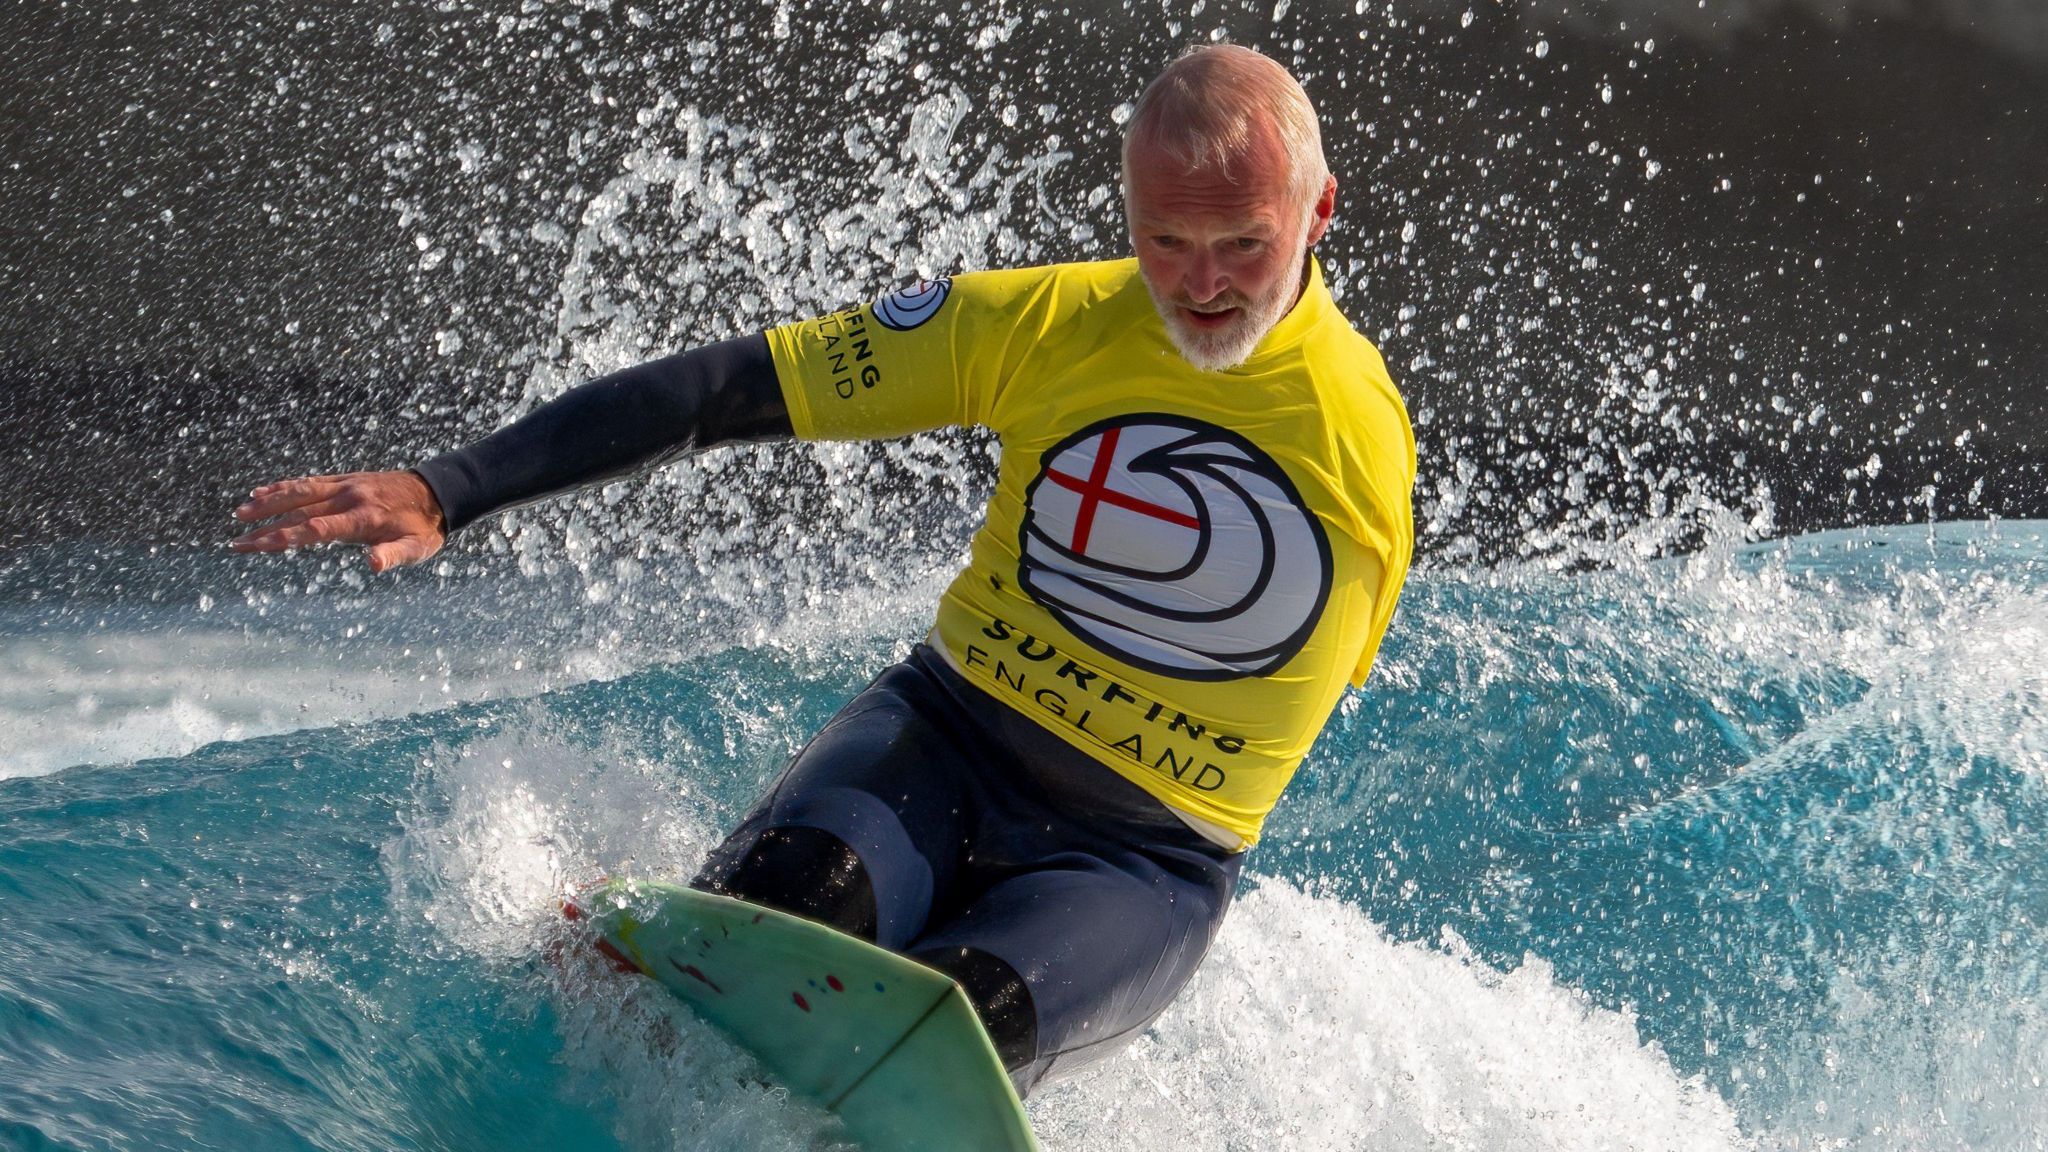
(1301, 283)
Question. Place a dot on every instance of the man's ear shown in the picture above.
(1319, 216)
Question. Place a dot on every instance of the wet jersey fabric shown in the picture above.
(1179, 570)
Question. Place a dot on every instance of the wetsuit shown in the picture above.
(1178, 574)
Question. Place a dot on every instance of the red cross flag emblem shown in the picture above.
(1176, 546)
(1095, 491)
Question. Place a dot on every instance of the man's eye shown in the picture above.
(1247, 244)
(1166, 241)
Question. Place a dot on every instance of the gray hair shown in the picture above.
(1202, 111)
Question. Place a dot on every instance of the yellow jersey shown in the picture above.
(1179, 569)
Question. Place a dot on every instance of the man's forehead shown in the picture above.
(1247, 192)
(1259, 154)
(1238, 215)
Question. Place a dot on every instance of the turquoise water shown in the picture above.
(1736, 850)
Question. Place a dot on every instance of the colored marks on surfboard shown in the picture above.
(697, 974)
(620, 962)
(832, 982)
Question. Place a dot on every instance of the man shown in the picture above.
(1199, 529)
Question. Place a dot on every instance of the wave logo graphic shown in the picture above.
(906, 308)
(1175, 546)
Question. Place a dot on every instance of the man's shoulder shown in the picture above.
(1357, 390)
(1364, 369)
(1083, 281)
(1052, 304)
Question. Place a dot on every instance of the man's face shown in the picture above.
(1221, 249)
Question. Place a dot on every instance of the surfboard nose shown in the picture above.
(571, 910)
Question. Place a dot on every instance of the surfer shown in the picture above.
(1199, 529)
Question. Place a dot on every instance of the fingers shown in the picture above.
(333, 523)
(285, 495)
(337, 529)
(311, 512)
(342, 528)
(411, 550)
(379, 509)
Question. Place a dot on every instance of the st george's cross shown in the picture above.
(1096, 491)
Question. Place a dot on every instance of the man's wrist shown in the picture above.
(432, 501)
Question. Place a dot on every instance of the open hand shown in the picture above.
(394, 513)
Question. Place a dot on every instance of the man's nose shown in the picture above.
(1205, 279)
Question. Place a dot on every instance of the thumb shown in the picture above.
(394, 553)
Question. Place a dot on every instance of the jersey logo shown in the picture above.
(1175, 546)
(906, 308)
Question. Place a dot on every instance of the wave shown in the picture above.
(1735, 850)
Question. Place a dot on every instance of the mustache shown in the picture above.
(1223, 303)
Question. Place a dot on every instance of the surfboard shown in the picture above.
(891, 1046)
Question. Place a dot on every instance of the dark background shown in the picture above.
(1763, 260)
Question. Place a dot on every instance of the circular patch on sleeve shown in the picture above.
(909, 307)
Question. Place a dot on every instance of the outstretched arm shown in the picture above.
(640, 418)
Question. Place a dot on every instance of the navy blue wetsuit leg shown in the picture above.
(1104, 940)
(881, 778)
(944, 825)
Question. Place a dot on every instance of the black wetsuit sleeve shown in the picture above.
(626, 422)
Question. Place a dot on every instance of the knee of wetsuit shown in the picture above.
(807, 871)
(1002, 1000)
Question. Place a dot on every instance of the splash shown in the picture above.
(1307, 1028)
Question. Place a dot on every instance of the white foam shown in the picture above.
(110, 696)
(1906, 1065)
(502, 828)
(1307, 1028)
(114, 695)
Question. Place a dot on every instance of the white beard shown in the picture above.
(1220, 349)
